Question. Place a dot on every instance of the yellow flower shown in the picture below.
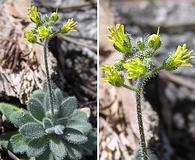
(43, 32)
(119, 39)
(179, 58)
(135, 68)
(153, 40)
(34, 15)
(69, 26)
(113, 76)
(29, 36)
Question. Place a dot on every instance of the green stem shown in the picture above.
(139, 119)
(130, 87)
(155, 70)
(47, 76)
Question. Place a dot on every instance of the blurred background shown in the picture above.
(169, 97)
(72, 57)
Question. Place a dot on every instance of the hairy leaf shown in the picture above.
(38, 94)
(79, 116)
(47, 155)
(32, 130)
(59, 129)
(36, 108)
(4, 143)
(74, 136)
(68, 106)
(80, 126)
(63, 121)
(74, 152)
(8, 109)
(90, 145)
(36, 147)
(47, 123)
(57, 147)
(4, 138)
(58, 96)
(18, 143)
(21, 118)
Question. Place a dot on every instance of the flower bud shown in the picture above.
(140, 44)
(119, 65)
(153, 40)
(54, 16)
(46, 18)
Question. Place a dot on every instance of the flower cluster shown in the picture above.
(45, 26)
(137, 62)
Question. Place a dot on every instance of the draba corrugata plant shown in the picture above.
(137, 63)
(52, 127)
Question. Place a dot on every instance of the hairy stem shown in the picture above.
(48, 78)
(130, 87)
(139, 120)
(155, 70)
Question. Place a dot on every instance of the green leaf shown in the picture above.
(4, 138)
(58, 96)
(32, 130)
(57, 147)
(79, 116)
(68, 106)
(74, 152)
(47, 123)
(62, 121)
(90, 145)
(38, 94)
(47, 155)
(4, 143)
(8, 109)
(18, 143)
(74, 136)
(36, 108)
(59, 129)
(20, 118)
(37, 147)
(80, 126)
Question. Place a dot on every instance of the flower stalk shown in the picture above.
(139, 119)
(45, 48)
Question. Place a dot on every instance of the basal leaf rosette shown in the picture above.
(67, 135)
